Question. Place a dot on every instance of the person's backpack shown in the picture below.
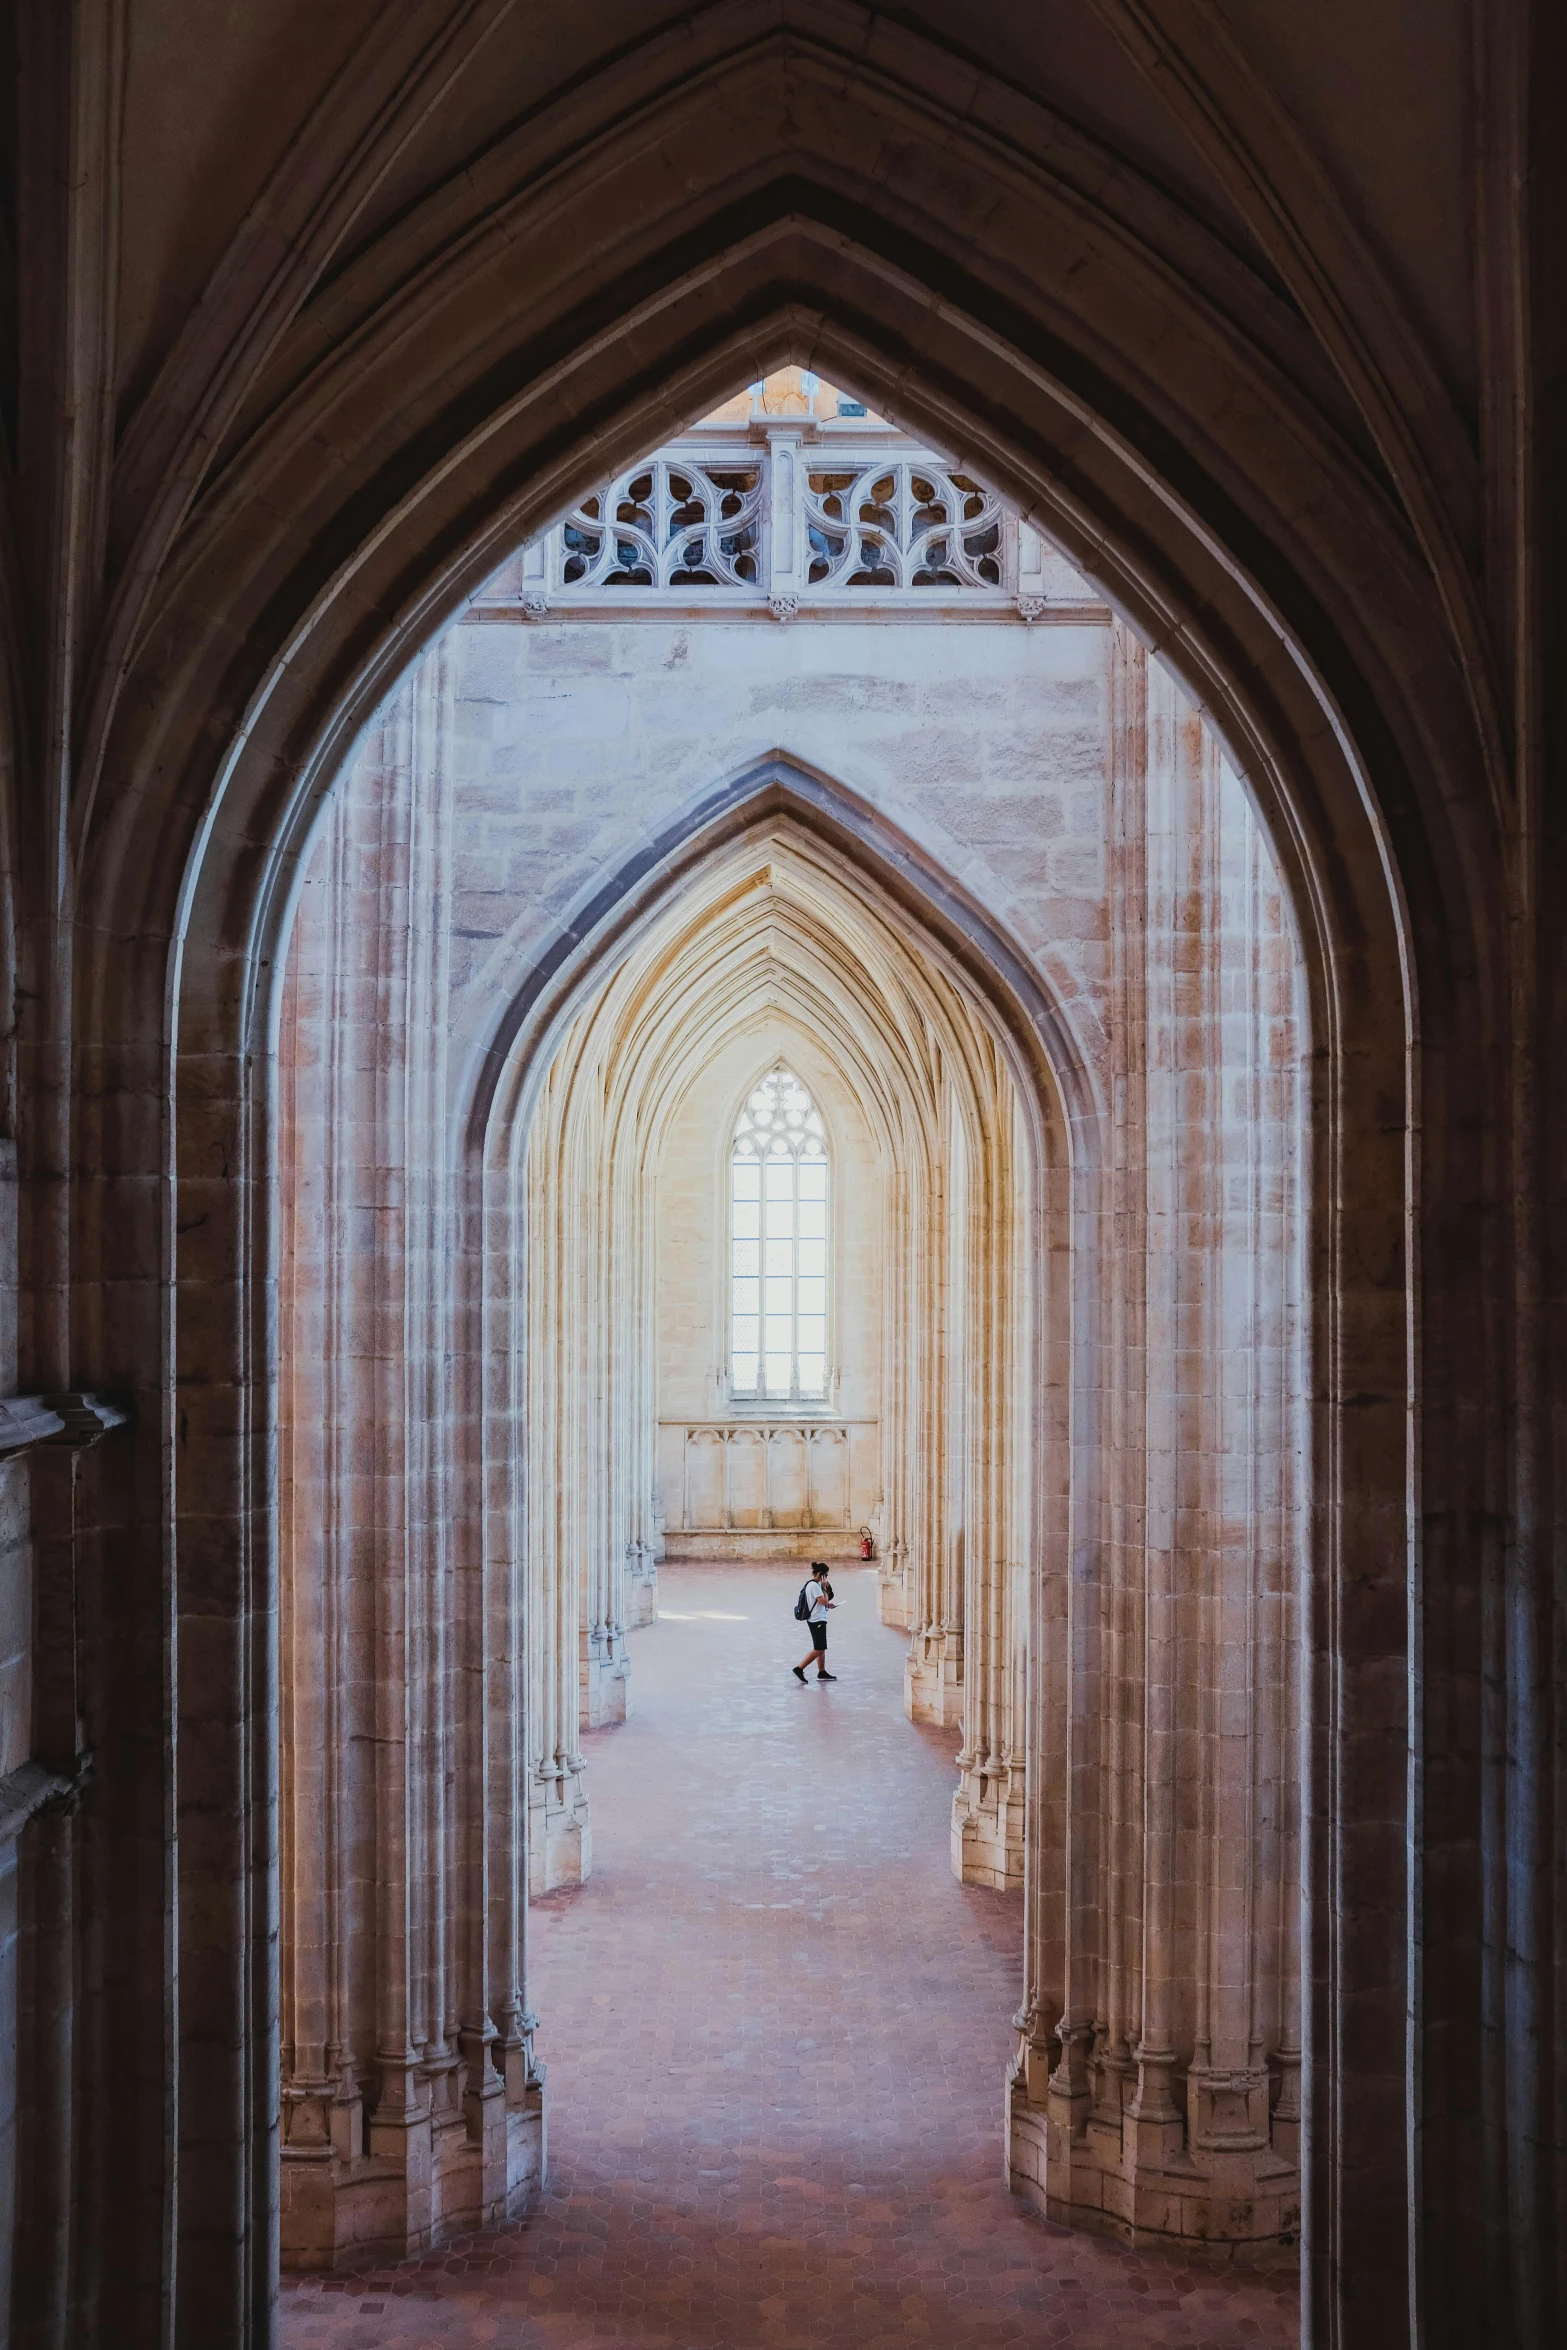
(802, 1606)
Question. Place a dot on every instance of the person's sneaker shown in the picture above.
(799, 1674)
(826, 1676)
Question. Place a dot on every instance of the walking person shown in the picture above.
(815, 1600)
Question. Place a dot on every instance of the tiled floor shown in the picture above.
(776, 2032)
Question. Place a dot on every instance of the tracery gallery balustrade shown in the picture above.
(794, 517)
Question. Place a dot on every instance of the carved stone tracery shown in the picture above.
(669, 523)
(791, 516)
(905, 525)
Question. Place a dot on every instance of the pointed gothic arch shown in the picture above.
(269, 654)
(828, 841)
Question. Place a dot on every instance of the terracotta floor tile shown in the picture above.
(776, 2032)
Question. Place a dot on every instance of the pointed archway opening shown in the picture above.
(1038, 948)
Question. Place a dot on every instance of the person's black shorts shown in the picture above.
(818, 1636)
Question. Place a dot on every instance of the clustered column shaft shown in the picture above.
(958, 1441)
(1157, 2084)
(410, 2101)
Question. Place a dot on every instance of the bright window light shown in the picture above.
(778, 1245)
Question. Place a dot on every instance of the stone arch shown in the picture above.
(779, 789)
(507, 1364)
(1301, 629)
(979, 985)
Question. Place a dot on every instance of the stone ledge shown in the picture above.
(33, 1787)
(84, 1417)
(26, 1420)
(694, 1544)
(73, 1419)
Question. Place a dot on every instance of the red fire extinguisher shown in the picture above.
(867, 1546)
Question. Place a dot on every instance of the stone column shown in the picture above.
(1171, 2103)
(897, 1598)
(788, 551)
(608, 1313)
(560, 1837)
(634, 1429)
(988, 1809)
(396, 2128)
(1134, 2057)
(1159, 1404)
(323, 2085)
(922, 1439)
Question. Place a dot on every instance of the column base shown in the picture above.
(933, 1680)
(988, 1827)
(892, 1595)
(641, 1590)
(345, 2208)
(1082, 2168)
(606, 1683)
(560, 1831)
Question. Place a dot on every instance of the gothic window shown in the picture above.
(778, 1244)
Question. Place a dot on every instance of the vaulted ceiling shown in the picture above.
(328, 293)
(232, 130)
(772, 934)
(215, 91)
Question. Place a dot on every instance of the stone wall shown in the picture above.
(1278, 355)
(575, 740)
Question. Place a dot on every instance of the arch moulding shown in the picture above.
(447, 420)
(683, 907)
